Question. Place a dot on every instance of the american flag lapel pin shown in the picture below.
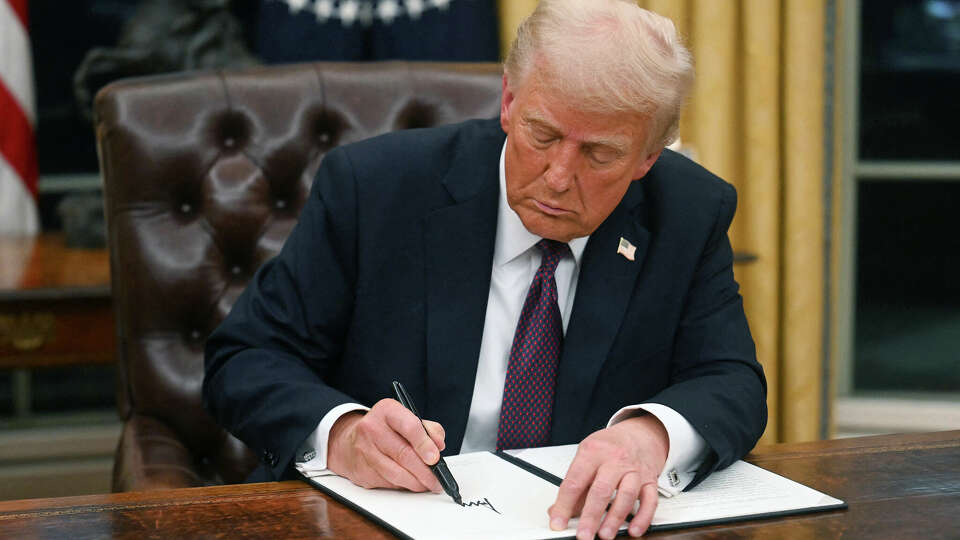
(627, 249)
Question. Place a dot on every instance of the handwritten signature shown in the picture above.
(483, 502)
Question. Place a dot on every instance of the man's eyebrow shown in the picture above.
(619, 145)
(541, 122)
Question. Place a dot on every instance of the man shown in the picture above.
(553, 278)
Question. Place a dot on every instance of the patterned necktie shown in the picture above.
(532, 372)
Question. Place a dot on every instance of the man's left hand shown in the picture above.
(625, 458)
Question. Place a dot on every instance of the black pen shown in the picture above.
(439, 469)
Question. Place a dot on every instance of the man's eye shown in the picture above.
(543, 138)
(603, 158)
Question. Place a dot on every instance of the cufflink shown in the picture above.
(674, 478)
(309, 455)
(269, 458)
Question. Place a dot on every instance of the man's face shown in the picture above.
(566, 169)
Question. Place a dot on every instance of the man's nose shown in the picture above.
(561, 169)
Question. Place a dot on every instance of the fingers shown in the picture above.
(613, 468)
(573, 490)
(648, 505)
(602, 517)
(367, 476)
(408, 426)
(627, 493)
(374, 461)
(399, 452)
(598, 499)
(407, 443)
(386, 447)
(395, 474)
(437, 433)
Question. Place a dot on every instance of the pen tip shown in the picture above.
(458, 500)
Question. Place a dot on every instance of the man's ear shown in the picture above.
(506, 100)
(644, 166)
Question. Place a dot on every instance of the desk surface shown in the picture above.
(55, 306)
(897, 486)
(43, 267)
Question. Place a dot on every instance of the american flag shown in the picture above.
(627, 249)
(18, 156)
(447, 30)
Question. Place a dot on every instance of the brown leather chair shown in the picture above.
(205, 174)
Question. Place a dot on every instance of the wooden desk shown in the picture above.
(898, 486)
(55, 304)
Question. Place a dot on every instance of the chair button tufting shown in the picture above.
(229, 142)
(186, 208)
(324, 137)
(195, 335)
(280, 204)
(235, 270)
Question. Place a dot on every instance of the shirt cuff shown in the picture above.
(311, 458)
(686, 450)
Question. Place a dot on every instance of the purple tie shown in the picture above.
(532, 372)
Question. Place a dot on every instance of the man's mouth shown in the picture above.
(551, 210)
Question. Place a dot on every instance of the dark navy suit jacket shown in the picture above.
(386, 277)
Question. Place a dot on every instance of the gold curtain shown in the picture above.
(511, 12)
(756, 119)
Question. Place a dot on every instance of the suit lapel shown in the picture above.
(604, 288)
(459, 242)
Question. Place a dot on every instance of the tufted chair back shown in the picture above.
(205, 174)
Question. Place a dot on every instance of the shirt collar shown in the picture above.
(513, 239)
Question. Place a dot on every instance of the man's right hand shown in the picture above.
(386, 447)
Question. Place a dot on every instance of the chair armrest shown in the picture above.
(151, 456)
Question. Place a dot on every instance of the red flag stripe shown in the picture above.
(16, 140)
(15, 64)
(19, 7)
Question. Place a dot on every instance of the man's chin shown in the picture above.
(547, 226)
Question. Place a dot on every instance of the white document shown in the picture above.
(741, 490)
(500, 499)
(505, 501)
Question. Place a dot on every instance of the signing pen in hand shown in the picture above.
(439, 469)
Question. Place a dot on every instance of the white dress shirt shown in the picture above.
(515, 261)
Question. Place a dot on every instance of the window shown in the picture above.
(900, 309)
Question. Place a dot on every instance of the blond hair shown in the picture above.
(607, 56)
